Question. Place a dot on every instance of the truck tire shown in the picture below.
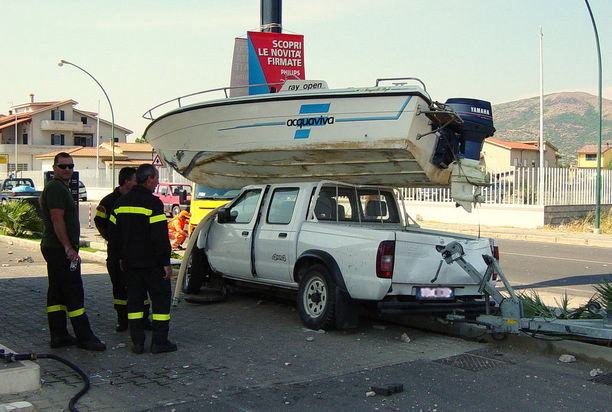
(176, 209)
(317, 298)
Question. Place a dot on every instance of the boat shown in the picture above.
(390, 134)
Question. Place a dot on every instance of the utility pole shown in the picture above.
(541, 145)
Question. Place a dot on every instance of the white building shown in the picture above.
(43, 126)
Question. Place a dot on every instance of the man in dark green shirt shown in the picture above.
(60, 248)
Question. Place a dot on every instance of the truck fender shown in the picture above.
(318, 256)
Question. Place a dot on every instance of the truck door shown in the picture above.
(229, 244)
(276, 236)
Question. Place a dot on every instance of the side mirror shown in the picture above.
(223, 216)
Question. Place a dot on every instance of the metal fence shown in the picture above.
(103, 178)
(520, 185)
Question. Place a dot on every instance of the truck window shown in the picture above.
(204, 192)
(378, 206)
(282, 205)
(337, 204)
(243, 210)
(163, 190)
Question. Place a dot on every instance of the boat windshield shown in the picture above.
(205, 192)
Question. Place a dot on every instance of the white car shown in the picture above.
(337, 244)
(82, 191)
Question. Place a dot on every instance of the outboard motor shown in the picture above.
(477, 125)
(464, 140)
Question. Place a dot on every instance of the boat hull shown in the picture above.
(368, 136)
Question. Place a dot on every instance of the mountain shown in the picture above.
(570, 121)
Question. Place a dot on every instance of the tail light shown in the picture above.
(495, 250)
(385, 259)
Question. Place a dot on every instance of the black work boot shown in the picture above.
(93, 343)
(122, 320)
(138, 348)
(61, 341)
(160, 342)
(162, 347)
(146, 319)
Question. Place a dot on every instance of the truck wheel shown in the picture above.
(316, 298)
(176, 209)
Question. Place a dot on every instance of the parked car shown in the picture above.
(82, 191)
(174, 196)
(18, 189)
(336, 245)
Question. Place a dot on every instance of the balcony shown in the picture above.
(65, 126)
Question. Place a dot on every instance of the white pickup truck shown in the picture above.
(336, 244)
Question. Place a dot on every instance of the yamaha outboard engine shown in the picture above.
(464, 140)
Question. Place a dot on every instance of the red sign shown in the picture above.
(273, 58)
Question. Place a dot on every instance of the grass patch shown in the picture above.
(586, 224)
(88, 249)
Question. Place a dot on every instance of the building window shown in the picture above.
(86, 141)
(21, 167)
(24, 138)
(57, 139)
(57, 114)
(516, 161)
(84, 119)
(590, 157)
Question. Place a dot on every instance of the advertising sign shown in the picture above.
(274, 57)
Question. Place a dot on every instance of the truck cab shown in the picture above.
(174, 196)
(205, 199)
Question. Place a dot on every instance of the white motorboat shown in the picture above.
(383, 135)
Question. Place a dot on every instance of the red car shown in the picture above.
(174, 196)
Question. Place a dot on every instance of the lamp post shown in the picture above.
(61, 63)
(16, 162)
(597, 229)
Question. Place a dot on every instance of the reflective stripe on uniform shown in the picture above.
(134, 210)
(112, 219)
(157, 218)
(160, 316)
(119, 302)
(75, 313)
(135, 315)
(55, 308)
(101, 214)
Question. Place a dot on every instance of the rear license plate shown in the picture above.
(434, 293)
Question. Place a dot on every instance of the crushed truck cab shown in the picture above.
(336, 244)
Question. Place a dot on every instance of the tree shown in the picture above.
(140, 139)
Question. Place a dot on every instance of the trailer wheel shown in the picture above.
(317, 298)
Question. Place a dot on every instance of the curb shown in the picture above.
(560, 238)
(99, 257)
(582, 351)
(25, 377)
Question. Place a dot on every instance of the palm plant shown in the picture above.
(604, 294)
(18, 218)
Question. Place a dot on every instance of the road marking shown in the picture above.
(554, 257)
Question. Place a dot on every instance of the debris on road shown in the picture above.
(27, 259)
(5, 265)
(369, 394)
(388, 389)
(595, 372)
(405, 338)
(309, 339)
(565, 358)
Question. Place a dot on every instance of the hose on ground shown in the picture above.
(14, 357)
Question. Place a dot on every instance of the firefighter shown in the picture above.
(177, 231)
(127, 180)
(139, 241)
(60, 248)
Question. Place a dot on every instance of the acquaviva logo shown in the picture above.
(311, 121)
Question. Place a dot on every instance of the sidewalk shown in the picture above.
(530, 235)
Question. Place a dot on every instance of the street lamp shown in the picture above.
(598, 178)
(60, 64)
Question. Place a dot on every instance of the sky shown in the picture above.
(145, 52)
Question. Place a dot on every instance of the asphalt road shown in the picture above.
(555, 267)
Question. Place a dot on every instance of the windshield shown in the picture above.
(205, 192)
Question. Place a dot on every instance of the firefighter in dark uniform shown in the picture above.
(60, 248)
(139, 240)
(127, 180)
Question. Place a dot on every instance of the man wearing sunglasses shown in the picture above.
(60, 248)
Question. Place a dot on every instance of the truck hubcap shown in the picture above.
(315, 297)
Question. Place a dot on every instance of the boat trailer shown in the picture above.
(510, 317)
